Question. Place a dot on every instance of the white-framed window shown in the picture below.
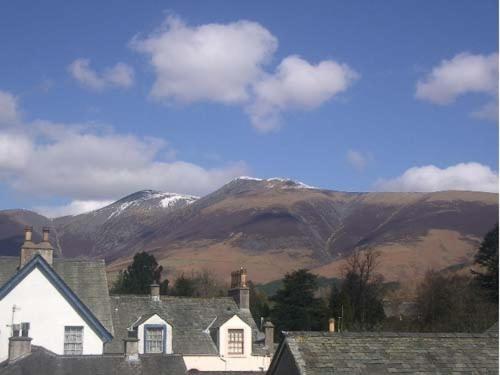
(154, 339)
(73, 340)
(235, 341)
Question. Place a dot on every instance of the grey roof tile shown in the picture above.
(318, 353)
(44, 362)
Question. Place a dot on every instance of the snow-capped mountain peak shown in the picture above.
(146, 200)
(279, 182)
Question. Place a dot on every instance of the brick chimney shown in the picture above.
(239, 288)
(269, 335)
(30, 249)
(20, 342)
(155, 292)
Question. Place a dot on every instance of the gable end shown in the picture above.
(58, 283)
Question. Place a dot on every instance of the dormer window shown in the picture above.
(154, 339)
(235, 342)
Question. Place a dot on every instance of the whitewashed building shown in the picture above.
(62, 309)
(64, 302)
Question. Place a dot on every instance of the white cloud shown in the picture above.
(463, 74)
(92, 163)
(225, 63)
(358, 159)
(297, 84)
(87, 165)
(9, 111)
(72, 208)
(212, 62)
(463, 176)
(15, 151)
(120, 75)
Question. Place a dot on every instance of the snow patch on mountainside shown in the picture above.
(248, 178)
(289, 184)
(120, 209)
(149, 199)
(174, 199)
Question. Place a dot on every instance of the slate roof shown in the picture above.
(44, 362)
(87, 279)
(195, 372)
(189, 317)
(320, 353)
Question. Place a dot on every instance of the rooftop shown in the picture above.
(189, 317)
(318, 353)
(44, 362)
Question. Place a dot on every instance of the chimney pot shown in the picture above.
(155, 292)
(25, 328)
(28, 232)
(331, 325)
(46, 232)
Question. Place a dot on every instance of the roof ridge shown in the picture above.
(370, 334)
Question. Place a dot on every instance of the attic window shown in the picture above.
(154, 338)
(73, 340)
(235, 342)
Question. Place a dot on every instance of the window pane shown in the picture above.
(73, 340)
(235, 341)
(154, 339)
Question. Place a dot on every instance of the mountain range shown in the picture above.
(272, 226)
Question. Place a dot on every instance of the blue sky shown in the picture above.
(99, 99)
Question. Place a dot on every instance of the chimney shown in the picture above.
(46, 232)
(30, 249)
(239, 288)
(331, 325)
(269, 335)
(19, 345)
(131, 346)
(155, 292)
(28, 233)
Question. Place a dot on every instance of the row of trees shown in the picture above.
(356, 303)
(446, 302)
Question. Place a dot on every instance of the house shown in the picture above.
(320, 353)
(212, 334)
(63, 303)
(59, 312)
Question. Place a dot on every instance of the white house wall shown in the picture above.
(47, 311)
(215, 363)
(235, 323)
(155, 319)
(226, 362)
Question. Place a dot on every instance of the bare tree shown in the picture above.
(363, 285)
(363, 263)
